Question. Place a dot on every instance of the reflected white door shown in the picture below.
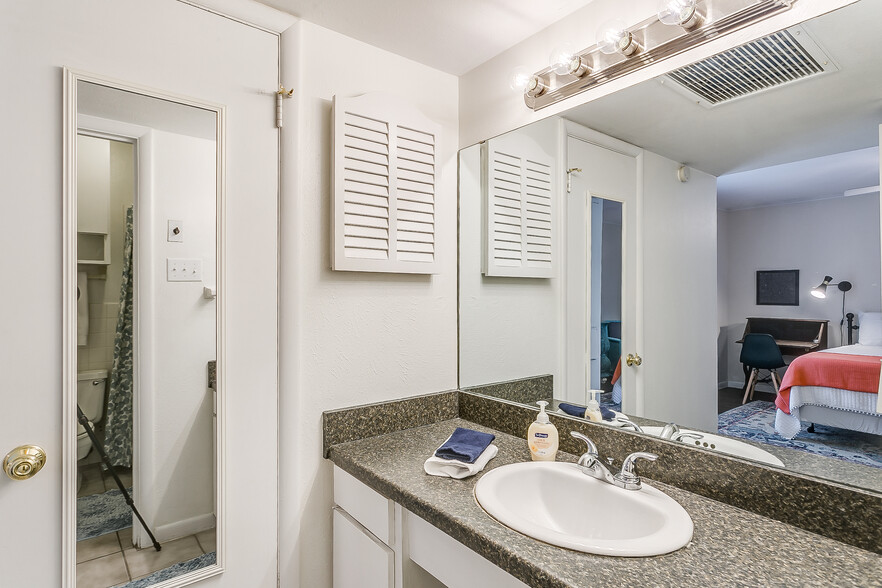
(680, 326)
(610, 170)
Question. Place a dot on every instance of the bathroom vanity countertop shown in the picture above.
(730, 546)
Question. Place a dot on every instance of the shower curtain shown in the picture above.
(118, 421)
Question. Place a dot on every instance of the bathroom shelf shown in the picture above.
(93, 248)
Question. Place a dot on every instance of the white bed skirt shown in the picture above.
(845, 409)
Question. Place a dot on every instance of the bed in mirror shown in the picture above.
(664, 200)
(143, 204)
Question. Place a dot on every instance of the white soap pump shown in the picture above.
(542, 436)
(592, 411)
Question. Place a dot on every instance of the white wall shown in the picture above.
(349, 338)
(488, 107)
(177, 329)
(176, 47)
(838, 237)
(510, 326)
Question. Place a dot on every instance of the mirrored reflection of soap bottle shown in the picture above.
(592, 410)
(542, 436)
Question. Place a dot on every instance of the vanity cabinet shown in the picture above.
(377, 543)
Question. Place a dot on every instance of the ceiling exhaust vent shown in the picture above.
(778, 59)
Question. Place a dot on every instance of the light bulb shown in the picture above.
(566, 62)
(613, 37)
(678, 13)
(519, 78)
(561, 57)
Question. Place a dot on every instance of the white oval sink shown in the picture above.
(559, 504)
(724, 445)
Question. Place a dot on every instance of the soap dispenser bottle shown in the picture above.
(592, 411)
(542, 436)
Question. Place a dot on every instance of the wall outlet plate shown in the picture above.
(184, 270)
(175, 231)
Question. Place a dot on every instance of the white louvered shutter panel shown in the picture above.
(384, 192)
(520, 208)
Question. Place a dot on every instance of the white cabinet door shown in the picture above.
(360, 559)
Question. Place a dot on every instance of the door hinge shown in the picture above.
(280, 96)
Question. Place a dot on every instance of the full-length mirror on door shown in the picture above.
(715, 181)
(144, 174)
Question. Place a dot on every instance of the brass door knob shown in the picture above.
(633, 359)
(23, 463)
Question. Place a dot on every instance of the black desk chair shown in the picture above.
(760, 352)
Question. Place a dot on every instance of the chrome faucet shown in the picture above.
(628, 423)
(590, 460)
(672, 431)
(592, 466)
(628, 478)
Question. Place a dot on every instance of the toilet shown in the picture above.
(91, 386)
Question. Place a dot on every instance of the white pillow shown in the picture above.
(870, 332)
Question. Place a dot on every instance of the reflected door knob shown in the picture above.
(633, 359)
(23, 463)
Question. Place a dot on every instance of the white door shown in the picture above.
(609, 170)
(669, 263)
(198, 54)
(679, 232)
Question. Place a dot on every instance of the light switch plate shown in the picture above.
(175, 231)
(184, 270)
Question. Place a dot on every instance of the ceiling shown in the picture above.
(834, 113)
(453, 36)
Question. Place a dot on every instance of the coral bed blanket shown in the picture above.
(830, 370)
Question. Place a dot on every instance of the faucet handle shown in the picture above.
(669, 431)
(589, 456)
(628, 478)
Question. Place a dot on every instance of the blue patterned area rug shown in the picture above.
(100, 514)
(178, 569)
(755, 421)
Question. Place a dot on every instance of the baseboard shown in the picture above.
(761, 387)
(184, 528)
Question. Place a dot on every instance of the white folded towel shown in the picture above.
(82, 309)
(452, 468)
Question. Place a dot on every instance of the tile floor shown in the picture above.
(110, 560)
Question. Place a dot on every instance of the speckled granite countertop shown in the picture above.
(730, 547)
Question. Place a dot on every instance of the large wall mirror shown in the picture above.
(616, 248)
(144, 176)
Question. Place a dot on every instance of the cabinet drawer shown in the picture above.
(370, 509)
(360, 559)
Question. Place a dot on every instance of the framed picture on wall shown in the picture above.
(777, 287)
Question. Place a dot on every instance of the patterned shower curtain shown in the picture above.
(118, 421)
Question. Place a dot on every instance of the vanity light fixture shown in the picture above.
(619, 50)
(679, 13)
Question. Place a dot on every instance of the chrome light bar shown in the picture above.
(653, 42)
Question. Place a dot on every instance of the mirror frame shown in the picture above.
(69, 318)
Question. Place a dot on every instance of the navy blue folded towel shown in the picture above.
(607, 414)
(465, 445)
(572, 409)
